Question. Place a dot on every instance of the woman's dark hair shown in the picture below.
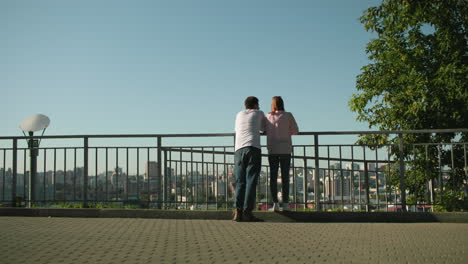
(277, 104)
(250, 102)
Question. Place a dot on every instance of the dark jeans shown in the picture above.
(247, 164)
(275, 161)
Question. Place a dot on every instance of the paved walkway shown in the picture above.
(126, 240)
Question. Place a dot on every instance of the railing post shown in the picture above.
(164, 177)
(85, 172)
(402, 173)
(366, 183)
(159, 173)
(15, 168)
(316, 176)
(304, 184)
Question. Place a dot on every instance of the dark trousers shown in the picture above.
(247, 164)
(275, 161)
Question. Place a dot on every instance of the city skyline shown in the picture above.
(128, 184)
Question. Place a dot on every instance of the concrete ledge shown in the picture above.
(323, 217)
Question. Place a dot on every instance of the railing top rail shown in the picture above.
(388, 132)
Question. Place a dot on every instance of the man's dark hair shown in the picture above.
(250, 102)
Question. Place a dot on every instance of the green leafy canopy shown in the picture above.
(418, 75)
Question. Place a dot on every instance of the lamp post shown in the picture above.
(30, 125)
(33, 145)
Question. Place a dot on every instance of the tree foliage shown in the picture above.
(417, 78)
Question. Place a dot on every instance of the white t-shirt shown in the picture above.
(249, 123)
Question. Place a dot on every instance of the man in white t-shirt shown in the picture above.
(247, 158)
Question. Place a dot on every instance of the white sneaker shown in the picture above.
(285, 207)
(275, 208)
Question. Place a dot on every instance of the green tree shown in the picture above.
(417, 79)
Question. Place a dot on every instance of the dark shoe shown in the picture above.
(249, 217)
(237, 215)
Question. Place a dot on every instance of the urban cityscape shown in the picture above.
(188, 190)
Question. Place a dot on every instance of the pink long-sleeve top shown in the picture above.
(279, 128)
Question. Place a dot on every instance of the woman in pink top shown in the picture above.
(279, 128)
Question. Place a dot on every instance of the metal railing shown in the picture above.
(341, 177)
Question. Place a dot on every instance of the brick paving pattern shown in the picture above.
(129, 240)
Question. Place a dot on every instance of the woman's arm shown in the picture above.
(293, 129)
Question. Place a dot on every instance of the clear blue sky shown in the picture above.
(108, 67)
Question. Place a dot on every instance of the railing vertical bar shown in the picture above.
(85, 173)
(366, 183)
(441, 184)
(352, 179)
(15, 171)
(160, 171)
(294, 189)
(25, 179)
(317, 173)
(413, 152)
(294, 175)
(107, 174)
(192, 188)
(207, 185)
(197, 187)
(377, 179)
(74, 175)
(226, 180)
(96, 177)
(172, 175)
(169, 178)
(266, 186)
(4, 175)
(54, 176)
(366, 178)
(65, 174)
(176, 174)
(181, 179)
(217, 185)
(452, 170)
(128, 171)
(304, 184)
(360, 188)
(148, 173)
(330, 186)
(44, 196)
(387, 189)
(402, 173)
(117, 174)
(138, 173)
(466, 165)
(179, 184)
(215, 178)
(185, 185)
(206, 176)
(342, 179)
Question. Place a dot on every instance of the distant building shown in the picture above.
(154, 178)
(355, 166)
(152, 170)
